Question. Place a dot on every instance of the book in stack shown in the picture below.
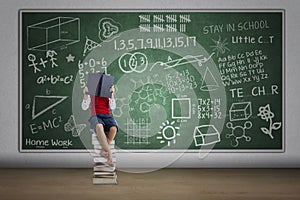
(103, 173)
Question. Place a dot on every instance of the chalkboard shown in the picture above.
(184, 80)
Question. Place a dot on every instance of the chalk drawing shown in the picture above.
(70, 58)
(185, 18)
(240, 111)
(32, 58)
(266, 114)
(184, 104)
(145, 28)
(71, 126)
(238, 132)
(108, 29)
(200, 59)
(57, 100)
(133, 62)
(171, 18)
(89, 45)
(145, 18)
(164, 23)
(168, 133)
(137, 131)
(220, 47)
(52, 55)
(206, 135)
(209, 82)
(53, 33)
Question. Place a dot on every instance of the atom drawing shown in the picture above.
(238, 132)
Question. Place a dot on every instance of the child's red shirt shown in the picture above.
(99, 105)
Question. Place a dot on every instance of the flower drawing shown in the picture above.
(266, 114)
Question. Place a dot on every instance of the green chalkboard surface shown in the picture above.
(184, 80)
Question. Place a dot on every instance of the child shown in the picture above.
(102, 122)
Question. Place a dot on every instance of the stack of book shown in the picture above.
(103, 173)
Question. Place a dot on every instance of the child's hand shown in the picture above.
(112, 89)
(85, 90)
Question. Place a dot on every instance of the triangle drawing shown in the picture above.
(42, 104)
(90, 45)
(209, 82)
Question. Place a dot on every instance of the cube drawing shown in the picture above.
(206, 135)
(240, 111)
(53, 33)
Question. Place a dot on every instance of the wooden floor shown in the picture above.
(181, 184)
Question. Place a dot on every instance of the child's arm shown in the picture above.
(86, 99)
(112, 104)
(112, 101)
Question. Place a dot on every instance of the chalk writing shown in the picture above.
(243, 68)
